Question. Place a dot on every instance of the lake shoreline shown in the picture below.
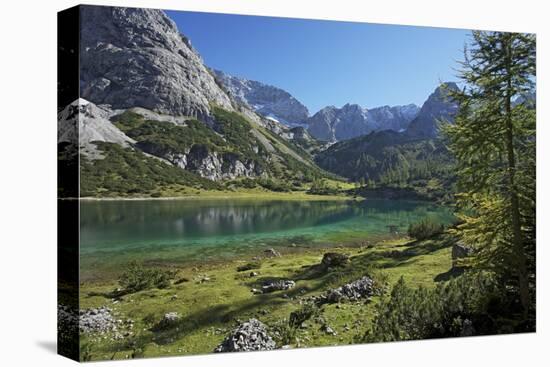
(269, 196)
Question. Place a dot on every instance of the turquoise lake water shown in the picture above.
(112, 232)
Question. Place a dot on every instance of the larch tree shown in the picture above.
(493, 140)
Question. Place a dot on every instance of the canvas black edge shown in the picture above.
(68, 45)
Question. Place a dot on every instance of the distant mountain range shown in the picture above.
(329, 124)
(336, 124)
(151, 114)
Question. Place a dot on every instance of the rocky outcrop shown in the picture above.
(248, 336)
(267, 100)
(97, 320)
(438, 107)
(205, 162)
(362, 288)
(84, 122)
(350, 121)
(132, 57)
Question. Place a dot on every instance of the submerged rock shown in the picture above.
(248, 336)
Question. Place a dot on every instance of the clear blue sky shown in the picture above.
(325, 63)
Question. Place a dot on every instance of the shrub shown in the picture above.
(136, 278)
(303, 314)
(468, 305)
(425, 229)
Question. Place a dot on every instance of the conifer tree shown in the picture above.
(493, 140)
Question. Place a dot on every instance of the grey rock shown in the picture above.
(335, 124)
(248, 336)
(267, 100)
(169, 320)
(134, 57)
(328, 330)
(271, 252)
(82, 122)
(278, 285)
(97, 320)
(362, 288)
(438, 107)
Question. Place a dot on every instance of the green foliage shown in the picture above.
(303, 314)
(321, 187)
(388, 159)
(425, 229)
(125, 171)
(493, 140)
(238, 132)
(275, 185)
(136, 277)
(471, 304)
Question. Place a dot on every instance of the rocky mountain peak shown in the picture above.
(132, 57)
(352, 120)
(438, 107)
(267, 100)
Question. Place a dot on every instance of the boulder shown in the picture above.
(248, 336)
(277, 285)
(334, 259)
(460, 251)
(271, 252)
(362, 288)
(169, 320)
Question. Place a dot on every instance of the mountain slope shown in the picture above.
(132, 57)
(438, 107)
(267, 100)
(151, 102)
(390, 157)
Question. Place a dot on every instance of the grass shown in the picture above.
(210, 309)
(175, 191)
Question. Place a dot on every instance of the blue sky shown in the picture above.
(327, 62)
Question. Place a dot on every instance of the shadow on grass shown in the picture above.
(223, 314)
(449, 274)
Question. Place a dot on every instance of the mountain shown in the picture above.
(336, 124)
(132, 57)
(88, 123)
(391, 157)
(152, 118)
(267, 100)
(438, 107)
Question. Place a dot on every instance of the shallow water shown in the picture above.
(113, 232)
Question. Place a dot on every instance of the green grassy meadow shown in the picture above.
(212, 299)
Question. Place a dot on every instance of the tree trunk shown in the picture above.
(517, 237)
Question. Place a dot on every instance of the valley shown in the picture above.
(211, 203)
